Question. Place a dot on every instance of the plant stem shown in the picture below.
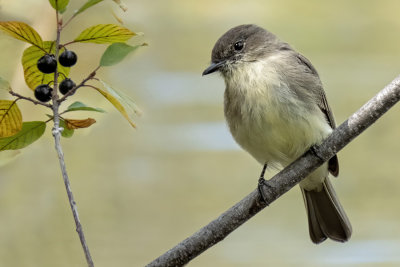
(57, 138)
(72, 42)
(29, 99)
(73, 90)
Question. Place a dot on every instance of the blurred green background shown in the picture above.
(140, 192)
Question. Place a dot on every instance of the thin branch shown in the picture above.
(57, 136)
(29, 99)
(231, 219)
(72, 42)
(73, 90)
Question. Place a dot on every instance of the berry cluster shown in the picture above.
(48, 64)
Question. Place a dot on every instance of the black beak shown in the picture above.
(213, 67)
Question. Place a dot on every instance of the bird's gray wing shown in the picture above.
(322, 101)
(333, 163)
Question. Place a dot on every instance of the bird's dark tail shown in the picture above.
(326, 217)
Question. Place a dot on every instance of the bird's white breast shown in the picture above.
(266, 118)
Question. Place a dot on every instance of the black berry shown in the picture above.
(43, 93)
(66, 85)
(47, 64)
(67, 58)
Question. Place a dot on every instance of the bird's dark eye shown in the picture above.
(238, 45)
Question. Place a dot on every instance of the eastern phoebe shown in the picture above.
(276, 110)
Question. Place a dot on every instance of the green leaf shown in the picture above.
(4, 85)
(21, 31)
(88, 4)
(67, 133)
(10, 118)
(80, 106)
(115, 53)
(121, 102)
(34, 77)
(105, 34)
(59, 5)
(31, 131)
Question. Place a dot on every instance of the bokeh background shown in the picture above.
(140, 192)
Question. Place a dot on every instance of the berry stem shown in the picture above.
(57, 138)
(65, 77)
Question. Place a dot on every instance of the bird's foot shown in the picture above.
(262, 182)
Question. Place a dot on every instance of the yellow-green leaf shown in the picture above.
(34, 77)
(121, 102)
(105, 34)
(31, 131)
(10, 118)
(59, 5)
(21, 31)
(76, 124)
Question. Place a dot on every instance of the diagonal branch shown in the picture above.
(91, 76)
(29, 99)
(231, 219)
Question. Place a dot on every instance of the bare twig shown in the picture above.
(29, 99)
(57, 136)
(72, 42)
(73, 90)
(231, 219)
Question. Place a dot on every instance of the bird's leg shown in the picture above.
(261, 182)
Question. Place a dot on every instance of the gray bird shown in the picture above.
(276, 109)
